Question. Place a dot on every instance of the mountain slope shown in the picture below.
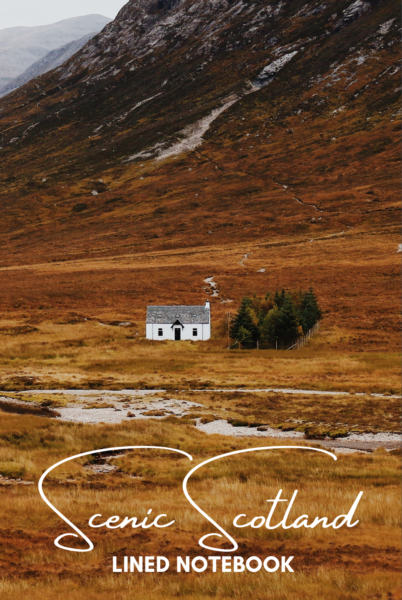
(20, 47)
(50, 61)
(235, 126)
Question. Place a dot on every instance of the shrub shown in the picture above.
(12, 470)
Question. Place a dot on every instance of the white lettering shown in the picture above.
(112, 520)
(199, 559)
(253, 559)
(271, 559)
(185, 565)
(136, 565)
(235, 523)
(214, 560)
(271, 512)
(91, 524)
(301, 521)
(347, 518)
(110, 523)
(286, 565)
(257, 522)
(127, 521)
(159, 567)
(238, 564)
(157, 519)
(289, 508)
(226, 564)
(115, 569)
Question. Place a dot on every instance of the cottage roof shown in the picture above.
(187, 315)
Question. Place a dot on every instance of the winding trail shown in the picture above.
(214, 286)
(286, 187)
(245, 258)
(214, 289)
(306, 204)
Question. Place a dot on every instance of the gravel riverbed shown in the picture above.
(125, 405)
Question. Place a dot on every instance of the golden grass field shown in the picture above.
(89, 354)
(361, 562)
(57, 320)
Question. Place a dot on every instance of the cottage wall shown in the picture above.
(203, 332)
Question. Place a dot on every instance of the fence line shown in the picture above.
(295, 346)
(305, 338)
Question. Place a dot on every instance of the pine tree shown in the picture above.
(310, 310)
(288, 327)
(280, 298)
(244, 336)
(243, 320)
(269, 328)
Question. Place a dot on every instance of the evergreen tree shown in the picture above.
(269, 328)
(288, 328)
(243, 321)
(280, 298)
(310, 311)
(244, 336)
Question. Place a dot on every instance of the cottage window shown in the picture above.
(160, 332)
(195, 331)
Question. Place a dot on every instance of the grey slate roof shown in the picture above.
(187, 315)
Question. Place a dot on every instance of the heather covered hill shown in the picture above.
(234, 126)
(293, 95)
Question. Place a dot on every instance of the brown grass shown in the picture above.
(361, 562)
(88, 354)
(317, 416)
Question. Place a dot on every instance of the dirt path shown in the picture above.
(214, 289)
(306, 204)
(244, 259)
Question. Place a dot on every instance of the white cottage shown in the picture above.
(179, 322)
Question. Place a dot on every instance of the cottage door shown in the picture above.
(177, 334)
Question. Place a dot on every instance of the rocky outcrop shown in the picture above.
(353, 12)
(269, 72)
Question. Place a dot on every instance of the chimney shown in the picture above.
(207, 305)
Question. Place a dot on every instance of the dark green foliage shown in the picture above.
(310, 311)
(269, 329)
(280, 298)
(244, 336)
(276, 320)
(288, 327)
(243, 328)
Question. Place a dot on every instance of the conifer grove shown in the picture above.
(277, 320)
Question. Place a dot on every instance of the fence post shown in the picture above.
(302, 341)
